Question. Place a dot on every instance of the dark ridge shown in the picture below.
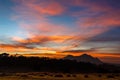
(84, 58)
(36, 64)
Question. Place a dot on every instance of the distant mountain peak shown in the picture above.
(85, 55)
(84, 58)
(69, 56)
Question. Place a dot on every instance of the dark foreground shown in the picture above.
(58, 76)
(36, 64)
(35, 68)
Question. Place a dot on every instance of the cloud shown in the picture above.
(95, 18)
(111, 35)
(109, 19)
(92, 19)
(45, 28)
(42, 39)
(12, 48)
(78, 51)
(48, 8)
(33, 17)
(41, 7)
(38, 42)
(24, 49)
(105, 15)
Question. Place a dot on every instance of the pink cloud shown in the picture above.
(44, 28)
(41, 7)
(98, 17)
(32, 17)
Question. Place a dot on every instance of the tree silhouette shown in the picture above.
(4, 55)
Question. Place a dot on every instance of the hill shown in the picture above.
(84, 58)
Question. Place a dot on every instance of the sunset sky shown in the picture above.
(56, 28)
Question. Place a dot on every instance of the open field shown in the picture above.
(58, 76)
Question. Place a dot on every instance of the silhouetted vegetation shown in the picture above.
(24, 76)
(26, 64)
(3, 74)
(58, 75)
(86, 76)
(68, 75)
(74, 75)
(110, 76)
(99, 75)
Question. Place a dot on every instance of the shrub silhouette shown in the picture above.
(68, 75)
(59, 75)
(74, 75)
(86, 76)
(24, 76)
(3, 74)
(4, 55)
(51, 75)
(99, 75)
(110, 76)
(42, 75)
(117, 75)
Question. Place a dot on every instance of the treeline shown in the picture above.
(25, 64)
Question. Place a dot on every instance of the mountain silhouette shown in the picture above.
(84, 58)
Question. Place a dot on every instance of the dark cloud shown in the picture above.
(111, 35)
(79, 51)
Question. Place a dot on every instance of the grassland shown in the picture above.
(58, 76)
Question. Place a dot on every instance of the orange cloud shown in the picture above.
(46, 55)
(42, 39)
(12, 48)
(23, 49)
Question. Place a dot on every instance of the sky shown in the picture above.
(56, 28)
